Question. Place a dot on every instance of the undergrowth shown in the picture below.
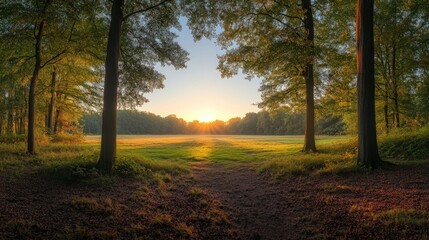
(404, 147)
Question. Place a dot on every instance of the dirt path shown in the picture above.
(320, 207)
(261, 209)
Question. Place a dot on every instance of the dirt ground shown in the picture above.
(217, 202)
(322, 207)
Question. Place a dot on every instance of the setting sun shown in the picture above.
(206, 118)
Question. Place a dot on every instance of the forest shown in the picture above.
(281, 122)
(339, 148)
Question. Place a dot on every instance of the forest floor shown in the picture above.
(217, 196)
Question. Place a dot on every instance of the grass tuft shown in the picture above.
(92, 205)
(407, 217)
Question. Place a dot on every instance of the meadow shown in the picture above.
(215, 187)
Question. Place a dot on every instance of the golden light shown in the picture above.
(206, 119)
(206, 116)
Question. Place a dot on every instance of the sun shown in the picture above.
(206, 118)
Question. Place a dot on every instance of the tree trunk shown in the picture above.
(33, 84)
(1, 124)
(395, 88)
(23, 113)
(52, 103)
(367, 142)
(10, 113)
(386, 108)
(108, 134)
(309, 140)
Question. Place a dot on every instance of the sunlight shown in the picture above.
(206, 119)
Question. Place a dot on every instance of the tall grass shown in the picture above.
(403, 147)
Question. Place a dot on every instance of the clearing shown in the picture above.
(209, 187)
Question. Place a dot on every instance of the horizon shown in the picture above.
(198, 91)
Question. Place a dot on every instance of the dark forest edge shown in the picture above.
(281, 122)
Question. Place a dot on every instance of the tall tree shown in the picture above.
(45, 32)
(139, 36)
(367, 137)
(400, 34)
(272, 40)
(35, 77)
(309, 140)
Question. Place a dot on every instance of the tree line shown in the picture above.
(281, 122)
(60, 58)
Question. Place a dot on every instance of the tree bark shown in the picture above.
(10, 113)
(386, 109)
(52, 103)
(367, 140)
(23, 111)
(33, 84)
(395, 88)
(108, 135)
(309, 139)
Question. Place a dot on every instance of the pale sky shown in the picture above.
(198, 92)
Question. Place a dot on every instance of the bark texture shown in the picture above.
(367, 143)
(309, 139)
(32, 92)
(108, 132)
(52, 103)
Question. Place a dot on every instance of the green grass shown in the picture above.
(160, 156)
(406, 145)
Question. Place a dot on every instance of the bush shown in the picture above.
(74, 169)
(405, 145)
(11, 139)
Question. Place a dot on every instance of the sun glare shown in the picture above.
(206, 118)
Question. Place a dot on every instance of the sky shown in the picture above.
(198, 92)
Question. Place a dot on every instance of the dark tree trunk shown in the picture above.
(10, 113)
(395, 88)
(108, 134)
(52, 103)
(309, 141)
(57, 113)
(386, 109)
(386, 116)
(23, 113)
(367, 143)
(33, 84)
(1, 124)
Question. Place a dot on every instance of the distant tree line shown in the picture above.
(282, 122)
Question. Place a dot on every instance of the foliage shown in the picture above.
(12, 139)
(406, 144)
(282, 122)
(73, 45)
(341, 157)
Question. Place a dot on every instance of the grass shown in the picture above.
(407, 217)
(158, 160)
(163, 156)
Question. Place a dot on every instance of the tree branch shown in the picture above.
(53, 59)
(144, 10)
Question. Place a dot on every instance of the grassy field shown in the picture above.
(215, 187)
(267, 153)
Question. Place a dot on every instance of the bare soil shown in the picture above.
(322, 207)
(217, 202)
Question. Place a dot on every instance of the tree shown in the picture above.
(35, 77)
(367, 138)
(46, 32)
(272, 40)
(139, 36)
(400, 33)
